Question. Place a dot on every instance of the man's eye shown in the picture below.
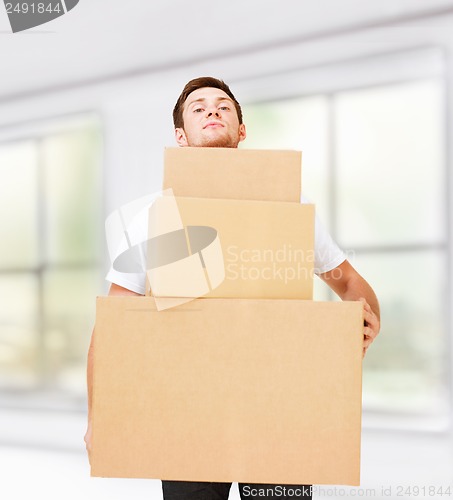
(225, 108)
(198, 110)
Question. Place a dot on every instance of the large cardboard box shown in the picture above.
(231, 249)
(241, 174)
(265, 391)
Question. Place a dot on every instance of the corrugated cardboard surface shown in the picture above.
(230, 173)
(267, 247)
(265, 391)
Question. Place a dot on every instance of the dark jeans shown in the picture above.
(184, 490)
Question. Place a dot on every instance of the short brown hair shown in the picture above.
(199, 83)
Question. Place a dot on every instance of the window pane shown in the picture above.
(390, 165)
(52, 234)
(72, 196)
(19, 205)
(69, 310)
(406, 367)
(300, 124)
(19, 333)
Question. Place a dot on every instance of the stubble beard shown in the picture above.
(215, 142)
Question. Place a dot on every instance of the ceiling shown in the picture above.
(102, 39)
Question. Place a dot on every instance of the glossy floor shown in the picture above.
(42, 457)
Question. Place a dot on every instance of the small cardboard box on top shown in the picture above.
(239, 174)
(246, 389)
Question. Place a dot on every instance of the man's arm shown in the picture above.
(114, 290)
(347, 283)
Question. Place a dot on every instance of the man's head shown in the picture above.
(207, 114)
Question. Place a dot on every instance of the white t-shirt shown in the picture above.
(327, 253)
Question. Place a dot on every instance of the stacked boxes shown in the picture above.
(253, 382)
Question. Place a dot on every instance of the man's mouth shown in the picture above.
(213, 125)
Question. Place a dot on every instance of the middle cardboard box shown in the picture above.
(230, 248)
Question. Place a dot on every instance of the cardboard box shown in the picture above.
(229, 173)
(232, 249)
(265, 391)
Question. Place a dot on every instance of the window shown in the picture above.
(373, 160)
(52, 234)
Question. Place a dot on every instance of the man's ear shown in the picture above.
(180, 136)
(242, 132)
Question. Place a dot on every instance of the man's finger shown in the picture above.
(369, 333)
(369, 316)
(367, 342)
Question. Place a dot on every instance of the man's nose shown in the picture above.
(215, 113)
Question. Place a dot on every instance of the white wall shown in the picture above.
(136, 111)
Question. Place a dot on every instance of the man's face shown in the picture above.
(210, 120)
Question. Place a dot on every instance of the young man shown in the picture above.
(207, 114)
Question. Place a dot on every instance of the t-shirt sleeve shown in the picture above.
(328, 255)
(132, 281)
(137, 235)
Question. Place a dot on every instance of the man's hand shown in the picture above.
(347, 283)
(371, 325)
